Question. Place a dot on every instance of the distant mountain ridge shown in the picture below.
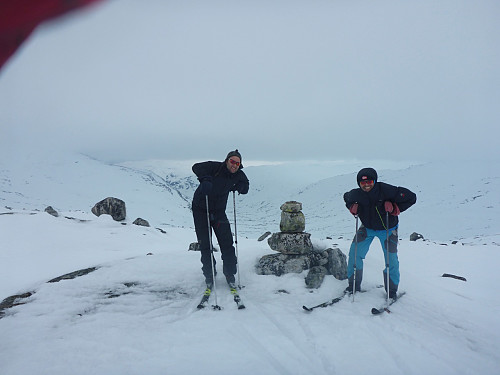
(459, 200)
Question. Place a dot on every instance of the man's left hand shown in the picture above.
(392, 208)
(237, 187)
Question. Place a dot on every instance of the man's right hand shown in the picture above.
(206, 187)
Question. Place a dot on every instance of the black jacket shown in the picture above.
(371, 204)
(223, 181)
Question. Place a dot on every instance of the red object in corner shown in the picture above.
(18, 19)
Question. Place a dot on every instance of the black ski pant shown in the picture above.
(219, 224)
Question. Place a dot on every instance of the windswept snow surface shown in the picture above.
(136, 313)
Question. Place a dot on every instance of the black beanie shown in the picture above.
(367, 174)
(235, 153)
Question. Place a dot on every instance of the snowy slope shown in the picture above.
(136, 313)
(463, 194)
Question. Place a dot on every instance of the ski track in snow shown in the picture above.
(297, 350)
(281, 334)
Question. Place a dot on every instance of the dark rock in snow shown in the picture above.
(111, 206)
(141, 222)
(337, 264)
(264, 236)
(51, 211)
(416, 236)
(195, 246)
(315, 277)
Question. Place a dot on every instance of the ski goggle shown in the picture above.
(366, 182)
(234, 162)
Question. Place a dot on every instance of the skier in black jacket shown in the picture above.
(217, 179)
(370, 201)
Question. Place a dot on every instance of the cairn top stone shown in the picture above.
(291, 206)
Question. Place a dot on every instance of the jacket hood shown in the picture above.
(367, 174)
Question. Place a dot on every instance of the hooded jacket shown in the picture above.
(371, 204)
(223, 181)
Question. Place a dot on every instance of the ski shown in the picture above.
(385, 308)
(338, 299)
(327, 303)
(236, 297)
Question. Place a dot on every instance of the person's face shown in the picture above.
(366, 185)
(233, 164)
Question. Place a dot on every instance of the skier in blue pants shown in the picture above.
(365, 238)
(370, 202)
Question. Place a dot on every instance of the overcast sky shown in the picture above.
(280, 80)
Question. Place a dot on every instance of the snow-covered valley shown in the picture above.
(135, 313)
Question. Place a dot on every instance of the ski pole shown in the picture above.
(211, 254)
(355, 256)
(236, 241)
(387, 253)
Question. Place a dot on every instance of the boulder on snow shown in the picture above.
(416, 236)
(336, 264)
(111, 206)
(195, 246)
(141, 222)
(51, 211)
(315, 277)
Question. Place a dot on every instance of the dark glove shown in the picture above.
(354, 209)
(237, 187)
(206, 187)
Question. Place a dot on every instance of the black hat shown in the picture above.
(367, 174)
(235, 153)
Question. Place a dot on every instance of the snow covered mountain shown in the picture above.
(457, 200)
(134, 312)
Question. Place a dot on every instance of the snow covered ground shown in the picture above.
(136, 313)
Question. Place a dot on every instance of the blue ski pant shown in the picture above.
(365, 238)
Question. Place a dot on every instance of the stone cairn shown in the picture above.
(296, 252)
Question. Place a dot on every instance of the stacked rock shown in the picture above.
(292, 239)
(292, 218)
(296, 252)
